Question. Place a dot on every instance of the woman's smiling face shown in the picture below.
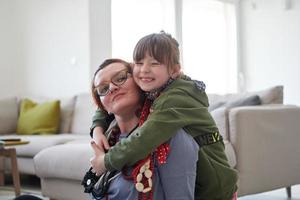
(122, 98)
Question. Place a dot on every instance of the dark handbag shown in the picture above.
(97, 185)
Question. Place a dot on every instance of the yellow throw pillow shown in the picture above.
(36, 118)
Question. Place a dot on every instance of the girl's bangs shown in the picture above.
(154, 48)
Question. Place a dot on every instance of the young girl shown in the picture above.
(171, 103)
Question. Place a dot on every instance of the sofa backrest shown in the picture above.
(273, 95)
(219, 105)
(8, 115)
(76, 113)
(67, 105)
(82, 116)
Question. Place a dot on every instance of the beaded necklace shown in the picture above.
(142, 173)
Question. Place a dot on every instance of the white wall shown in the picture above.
(51, 47)
(100, 32)
(11, 48)
(270, 46)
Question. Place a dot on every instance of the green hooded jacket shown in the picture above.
(183, 104)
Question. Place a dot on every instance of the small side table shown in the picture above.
(10, 152)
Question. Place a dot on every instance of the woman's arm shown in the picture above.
(174, 180)
(183, 105)
(101, 119)
(97, 161)
(100, 123)
(100, 138)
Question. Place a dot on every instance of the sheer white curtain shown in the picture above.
(133, 19)
(207, 30)
(209, 43)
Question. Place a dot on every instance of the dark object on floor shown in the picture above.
(27, 197)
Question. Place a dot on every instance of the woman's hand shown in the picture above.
(97, 161)
(100, 139)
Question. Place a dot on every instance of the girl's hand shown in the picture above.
(100, 139)
(97, 161)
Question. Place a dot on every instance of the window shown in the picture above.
(209, 44)
(206, 31)
(133, 19)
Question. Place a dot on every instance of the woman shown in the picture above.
(115, 91)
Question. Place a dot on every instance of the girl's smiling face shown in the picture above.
(149, 74)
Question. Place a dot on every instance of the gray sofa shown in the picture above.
(72, 127)
(260, 141)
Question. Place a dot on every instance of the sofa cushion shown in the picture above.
(83, 113)
(8, 115)
(236, 102)
(246, 101)
(272, 95)
(40, 142)
(230, 153)
(220, 114)
(37, 118)
(66, 110)
(66, 114)
(68, 161)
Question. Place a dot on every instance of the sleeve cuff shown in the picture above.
(108, 164)
(95, 124)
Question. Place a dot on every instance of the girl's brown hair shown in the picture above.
(161, 46)
(95, 96)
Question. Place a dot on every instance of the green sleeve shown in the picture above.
(100, 118)
(179, 107)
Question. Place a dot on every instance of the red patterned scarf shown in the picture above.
(142, 173)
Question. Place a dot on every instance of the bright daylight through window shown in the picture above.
(205, 29)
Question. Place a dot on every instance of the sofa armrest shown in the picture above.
(266, 141)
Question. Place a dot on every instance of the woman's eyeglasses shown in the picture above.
(118, 80)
